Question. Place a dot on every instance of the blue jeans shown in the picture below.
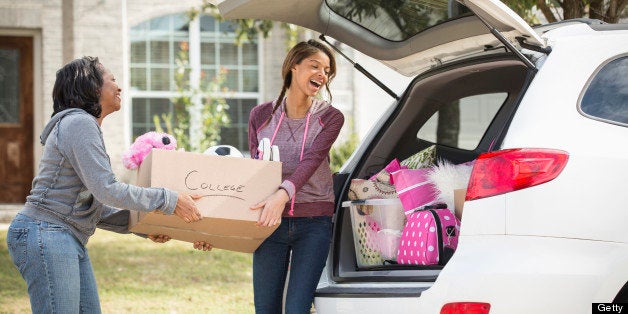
(308, 239)
(55, 266)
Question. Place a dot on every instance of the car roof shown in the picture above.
(378, 34)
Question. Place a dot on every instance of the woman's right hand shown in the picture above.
(186, 208)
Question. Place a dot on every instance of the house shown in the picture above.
(138, 41)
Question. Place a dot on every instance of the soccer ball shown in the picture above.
(224, 150)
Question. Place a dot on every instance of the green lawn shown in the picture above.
(135, 275)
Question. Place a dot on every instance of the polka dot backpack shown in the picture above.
(429, 237)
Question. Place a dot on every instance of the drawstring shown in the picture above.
(307, 125)
(277, 129)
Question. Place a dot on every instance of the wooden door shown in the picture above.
(16, 118)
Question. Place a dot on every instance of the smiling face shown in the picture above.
(110, 99)
(311, 74)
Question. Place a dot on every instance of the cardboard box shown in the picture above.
(229, 186)
(459, 196)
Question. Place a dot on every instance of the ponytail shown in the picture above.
(279, 100)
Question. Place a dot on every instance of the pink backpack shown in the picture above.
(429, 237)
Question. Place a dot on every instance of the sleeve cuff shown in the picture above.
(170, 201)
(289, 187)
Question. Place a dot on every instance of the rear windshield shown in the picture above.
(397, 20)
(463, 122)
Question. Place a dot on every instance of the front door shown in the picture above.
(16, 118)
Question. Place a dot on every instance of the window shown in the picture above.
(475, 115)
(397, 20)
(9, 86)
(155, 45)
(606, 97)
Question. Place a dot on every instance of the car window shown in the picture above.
(463, 130)
(606, 97)
(397, 22)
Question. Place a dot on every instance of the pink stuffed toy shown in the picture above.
(134, 156)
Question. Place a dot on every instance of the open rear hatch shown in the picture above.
(410, 39)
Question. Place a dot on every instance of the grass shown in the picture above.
(135, 275)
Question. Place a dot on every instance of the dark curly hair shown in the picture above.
(78, 85)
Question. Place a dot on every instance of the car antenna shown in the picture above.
(362, 70)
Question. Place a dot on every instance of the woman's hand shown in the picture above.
(159, 238)
(272, 208)
(186, 208)
(202, 246)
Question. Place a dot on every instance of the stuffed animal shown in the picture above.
(134, 156)
(448, 177)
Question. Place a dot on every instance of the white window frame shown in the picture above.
(194, 42)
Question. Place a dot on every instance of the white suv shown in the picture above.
(543, 113)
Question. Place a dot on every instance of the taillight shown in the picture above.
(509, 170)
(465, 308)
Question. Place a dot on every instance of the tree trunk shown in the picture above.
(596, 9)
(448, 124)
(609, 13)
(614, 11)
(572, 9)
(547, 12)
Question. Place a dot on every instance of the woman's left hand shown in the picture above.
(159, 238)
(273, 207)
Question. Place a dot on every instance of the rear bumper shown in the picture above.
(366, 292)
(352, 301)
(515, 274)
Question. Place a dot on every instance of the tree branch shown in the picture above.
(596, 7)
(614, 10)
(546, 11)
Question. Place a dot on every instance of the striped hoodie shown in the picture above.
(308, 180)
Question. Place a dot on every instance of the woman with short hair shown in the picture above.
(76, 191)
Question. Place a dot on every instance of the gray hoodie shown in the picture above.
(75, 185)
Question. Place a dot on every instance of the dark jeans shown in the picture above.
(308, 239)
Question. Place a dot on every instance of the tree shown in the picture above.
(247, 28)
(609, 11)
(341, 151)
(213, 113)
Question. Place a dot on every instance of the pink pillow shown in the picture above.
(414, 188)
(384, 174)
